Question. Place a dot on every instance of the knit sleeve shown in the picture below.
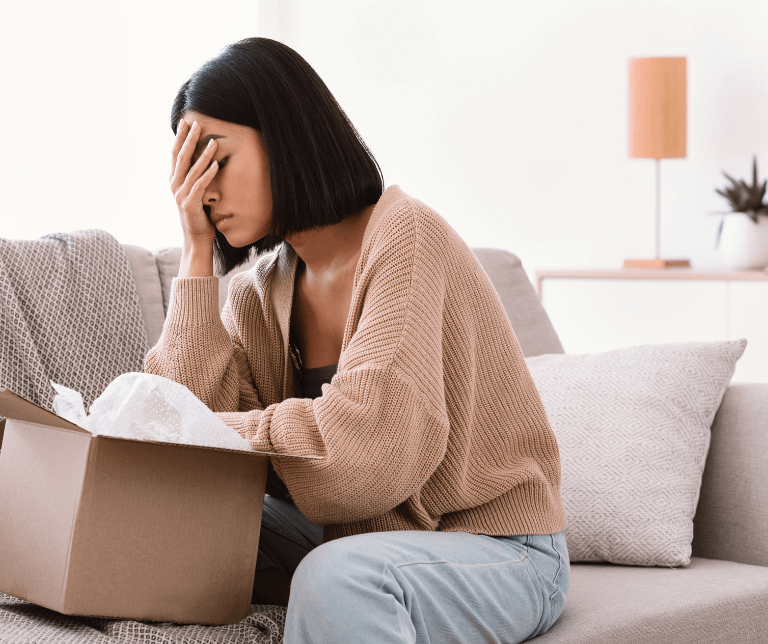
(381, 425)
(197, 350)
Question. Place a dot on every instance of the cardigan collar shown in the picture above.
(285, 276)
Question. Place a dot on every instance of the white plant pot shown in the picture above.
(744, 243)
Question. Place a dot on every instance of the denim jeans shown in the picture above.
(414, 586)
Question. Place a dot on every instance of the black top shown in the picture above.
(307, 384)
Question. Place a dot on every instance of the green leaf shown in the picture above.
(744, 197)
(730, 178)
(719, 232)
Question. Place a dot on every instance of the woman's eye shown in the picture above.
(221, 163)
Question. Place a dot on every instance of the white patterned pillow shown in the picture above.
(633, 429)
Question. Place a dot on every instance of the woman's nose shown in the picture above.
(210, 196)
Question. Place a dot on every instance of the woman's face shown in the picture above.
(239, 195)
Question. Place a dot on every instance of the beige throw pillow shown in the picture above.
(633, 429)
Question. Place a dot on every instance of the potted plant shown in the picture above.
(744, 239)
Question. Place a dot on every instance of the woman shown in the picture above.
(368, 336)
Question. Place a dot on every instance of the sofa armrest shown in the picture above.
(731, 519)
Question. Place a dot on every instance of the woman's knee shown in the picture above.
(343, 591)
(330, 571)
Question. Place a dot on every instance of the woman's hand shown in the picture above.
(188, 185)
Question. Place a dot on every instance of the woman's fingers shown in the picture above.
(197, 170)
(189, 184)
(194, 221)
(196, 194)
(183, 159)
(204, 161)
(181, 135)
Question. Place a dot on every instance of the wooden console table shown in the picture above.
(651, 274)
(599, 310)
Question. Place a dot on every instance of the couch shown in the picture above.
(721, 596)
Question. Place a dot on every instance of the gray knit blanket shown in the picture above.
(22, 623)
(69, 312)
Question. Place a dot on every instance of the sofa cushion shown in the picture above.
(145, 275)
(733, 507)
(706, 601)
(168, 262)
(526, 314)
(633, 429)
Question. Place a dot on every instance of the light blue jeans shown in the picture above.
(413, 586)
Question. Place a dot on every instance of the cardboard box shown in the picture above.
(123, 528)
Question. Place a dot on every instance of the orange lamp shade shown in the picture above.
(657, 108)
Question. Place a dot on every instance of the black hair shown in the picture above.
(320, 169)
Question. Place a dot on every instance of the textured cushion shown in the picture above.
(733, 507)
(526, 314)
(704, 603)
(633, 428)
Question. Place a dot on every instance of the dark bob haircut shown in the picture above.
(320, 169)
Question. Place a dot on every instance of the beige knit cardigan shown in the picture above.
(432, 421)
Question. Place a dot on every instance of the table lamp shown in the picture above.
(657, 127)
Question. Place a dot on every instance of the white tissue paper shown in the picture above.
(145, 406)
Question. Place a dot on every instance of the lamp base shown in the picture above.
(657, 263)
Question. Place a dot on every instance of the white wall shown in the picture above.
(87, 90)
(509, 118)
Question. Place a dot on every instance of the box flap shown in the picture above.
(19, 408)
(221, 449)
(14, 406)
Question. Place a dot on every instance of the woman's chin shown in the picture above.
(237, 242)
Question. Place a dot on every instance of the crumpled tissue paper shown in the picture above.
(146, 406)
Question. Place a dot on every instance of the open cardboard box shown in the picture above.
(124, 528)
